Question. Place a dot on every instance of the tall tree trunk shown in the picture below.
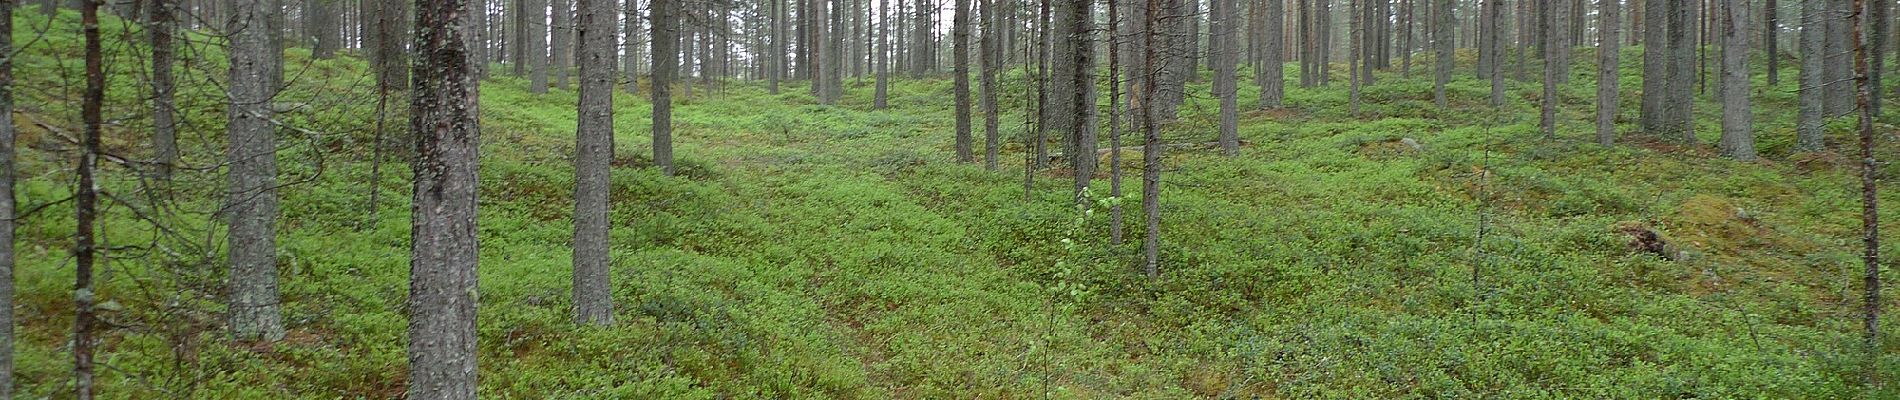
(1355, 51)
(1873, 27)
(988, 55)
(921, 54)
(322, 20)
(444, 251)
(1494, 11)
(1443, 40)
(665, 60)
(251, 196)
(8, 204)
(537, 46)
(561, 33)
(1771, 29)
(1656, 63)
(1839, 62)
(594, 151)
(1151, 141)
(164, 107)
(631, 62)
(518, 48)
(1272, 77)
(1115, 121)
(1076, 68)
(1556, 44)
(1607, 71)
(1738, 136)
(1810, 119)
(1223, 25)
(1869, 200)
(834, 55)
(960, 28)
(1679, 103)
(881, 99)
(86, 202)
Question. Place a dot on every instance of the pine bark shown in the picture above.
(164, 106)
(1443, 41)
(1272, 74)
(561, 34)
(1556, 65)
(988, 56)
(1607, 70)
(86, 203)
(1738, 136)
(921, 56)
(1075, 67)
(1151, 141)
(1810, 117)
(881, 99)
(665, 61)
(631, 61)
(594, 152)
(8, 204)
(1223, 54)
(251, 194)
(537, 46)
(444, 253)
(960, 33)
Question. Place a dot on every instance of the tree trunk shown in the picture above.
(1076, 68)
(444, 253)
(1355, 50)
(960, 33)
(1272, 75)
(1556, 44)
(988, 57)
(1839, 64)
(251, 196)
(1607, 71)
(1151, 142)
(1655, 64)
(1771, 29)
(881, 99)
(921, 55)
(1115, 122)
(834, 56)
(631, 63)
(594, 151)
(1869, 192)
(8, 204)
(164, 107)
(322, 20)
(1443, 40)
(1738, 136)
(517, 48)
(1679, 105)
(561, 33)
(537, 46)
(665, 60)
(1223, 22)
(1495, 11)
(86, 202)
(1810, 119)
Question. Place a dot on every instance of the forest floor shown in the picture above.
(810, 251)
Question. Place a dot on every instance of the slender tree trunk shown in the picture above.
(665, 60)
(1443, 40)
(594, 151)
(251, 197)
(518, 48)
(1771, 29)
(444, 253)
(1869, 199)
(1494, 10)
(1115, 122)
(1224, 23)
(1607, 71)
(1151, 142)
(988, 56)
(1555, 45)
(164, 107)
(1873, 25)
(834, 55)
(1812, 98)
(960, 28)
(8, 204)
(881, 99)
(1738, 136)
(1679, 105)
(86, 202)
(1839, 63)
(321, 15)
(631, 62)
(1355, 51)
(1656, 63)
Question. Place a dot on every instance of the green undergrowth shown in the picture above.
(813, 251)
